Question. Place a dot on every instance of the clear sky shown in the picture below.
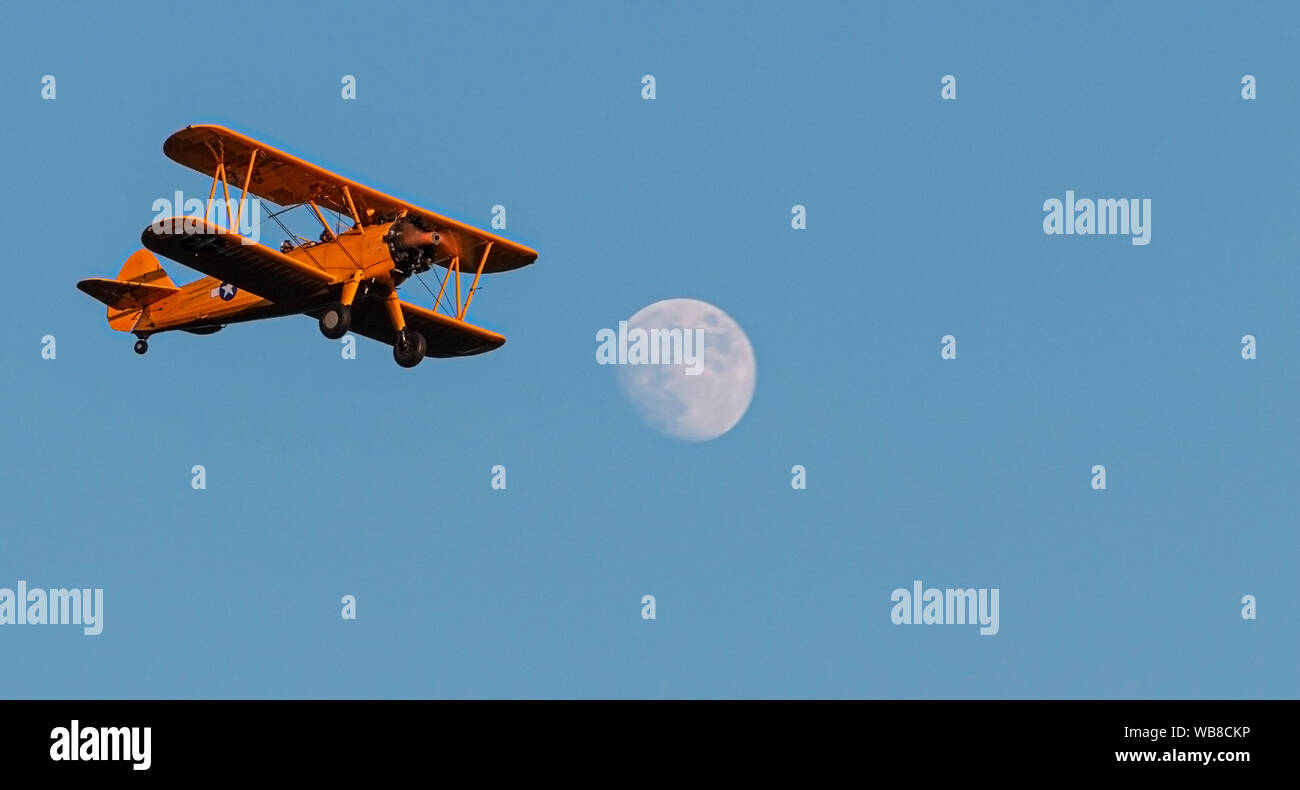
(328, 477)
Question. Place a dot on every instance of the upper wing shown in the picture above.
(443, 336)
(233, 259)
(286, 180)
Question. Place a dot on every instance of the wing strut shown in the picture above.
(465, 307)
(243, 193)
(220, 176)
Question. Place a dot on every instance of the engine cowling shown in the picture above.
(412, 245)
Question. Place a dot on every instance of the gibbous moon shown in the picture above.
(692, 407)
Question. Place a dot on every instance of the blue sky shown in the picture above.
(329, 477)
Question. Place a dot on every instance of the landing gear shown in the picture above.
(409, 348)
(408, 344)
(336, 321)
(141, 346)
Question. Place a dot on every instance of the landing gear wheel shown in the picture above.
(141, 346)
(336, 321)
(409, 348)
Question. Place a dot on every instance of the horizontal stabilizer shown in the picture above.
(120, 295)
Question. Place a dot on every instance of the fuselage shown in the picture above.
(208, 302)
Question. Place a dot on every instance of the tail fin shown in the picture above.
(141, 282)
(143, 267)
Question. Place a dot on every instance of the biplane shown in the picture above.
(347, 278)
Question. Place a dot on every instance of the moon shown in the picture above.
(667, 397)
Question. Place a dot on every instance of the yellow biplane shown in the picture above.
(347, 278)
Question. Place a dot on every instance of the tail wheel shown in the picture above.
(336, 321)
(141, 346)
(409, 348)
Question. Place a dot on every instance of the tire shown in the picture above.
(141, 346)
(409, 348)
(336, 321)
